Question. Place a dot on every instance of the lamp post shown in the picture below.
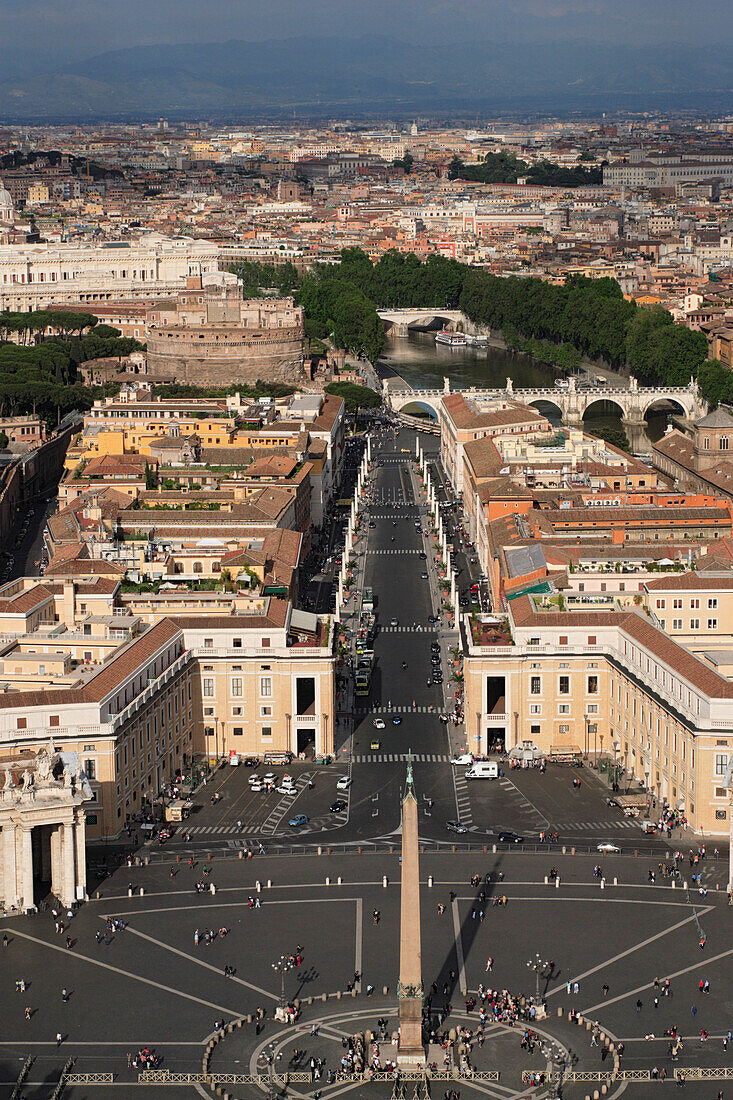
(281, 966)
(538, 966)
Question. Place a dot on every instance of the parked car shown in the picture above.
(338, 806)
(298, 820)
(506, 836)
(379, 724)
(608, 848)
(343, 783)
(456, 826)
(463, 758)
(396, 720)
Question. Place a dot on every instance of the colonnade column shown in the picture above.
(25, 867)
(10, 878)
(80, 830)
(56, 862)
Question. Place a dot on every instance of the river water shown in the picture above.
(423, 364)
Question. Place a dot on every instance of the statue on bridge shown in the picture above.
(446, 384)
(633, 383)
(509, 387)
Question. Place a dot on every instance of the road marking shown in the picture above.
(650, 985)
(459, 947)
(628, 951)
(200, 962)
(127, 974)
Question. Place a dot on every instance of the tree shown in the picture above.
(3, 441)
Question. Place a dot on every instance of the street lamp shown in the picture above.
(538, 966)
(281, 966)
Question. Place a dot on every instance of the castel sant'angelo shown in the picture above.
(207, 335)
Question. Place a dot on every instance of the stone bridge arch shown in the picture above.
(419, 403)
(682, 407)
(605, 399)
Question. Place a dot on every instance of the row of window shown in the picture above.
(678, 624)
(236, 687)
(563, 685)
(678, 604)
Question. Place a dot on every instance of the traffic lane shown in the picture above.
(495, 806)
(27, 549)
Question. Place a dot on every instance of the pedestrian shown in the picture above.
(65, 996)
(576, 987)
(6, 941)
(639, 1004)
(605, 989)
(27, 1012)
(693, 1010)
(59, 1038)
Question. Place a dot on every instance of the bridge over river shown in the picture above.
(570, 402)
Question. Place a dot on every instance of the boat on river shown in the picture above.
(452, 339)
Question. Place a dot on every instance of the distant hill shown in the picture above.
(366, 76)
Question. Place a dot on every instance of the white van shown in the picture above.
(234, 759)
(483, 769)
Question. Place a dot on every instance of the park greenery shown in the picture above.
(38, 374)
(561, 324)
(506, 168)
(259, 389)
(355, 397)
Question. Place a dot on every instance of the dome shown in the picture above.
(6, 205)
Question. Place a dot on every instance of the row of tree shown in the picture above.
(557, 324)
(506, 168)
(39, 374)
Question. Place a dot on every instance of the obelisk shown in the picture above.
(410, 1050)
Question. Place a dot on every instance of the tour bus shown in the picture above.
(368, 600)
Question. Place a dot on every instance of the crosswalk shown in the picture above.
(222, 830)
(368, 550)
(408, 629)
(401, 758)
(364, 711)
(594, 826)
(463, 800)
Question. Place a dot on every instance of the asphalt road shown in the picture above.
(523, 800)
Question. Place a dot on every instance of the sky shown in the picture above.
(74, 29)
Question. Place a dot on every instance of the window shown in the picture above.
(208, 643)
(237, 712)
(677, 624)
(237, 731)
(564, 685)
(535, 708)
(535, 685)
(661, 604)
(266, 687)
(721, 763)
(265, 643)
(592, 639)
(563, 708)
(592, 708)
(723, 443)
(236, 685)
(712, 624)
(534, 729)
(266, 712)
(563, 729)
(208, 713)
(267, 731)
(208, 683)
(21, 723)
(90, 769)
(236, 643)
(563, 639)
(694, 624)
(694, 604)
(592, 685)
(713, 604)
(677, 604)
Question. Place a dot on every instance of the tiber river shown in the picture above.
(423, 363)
